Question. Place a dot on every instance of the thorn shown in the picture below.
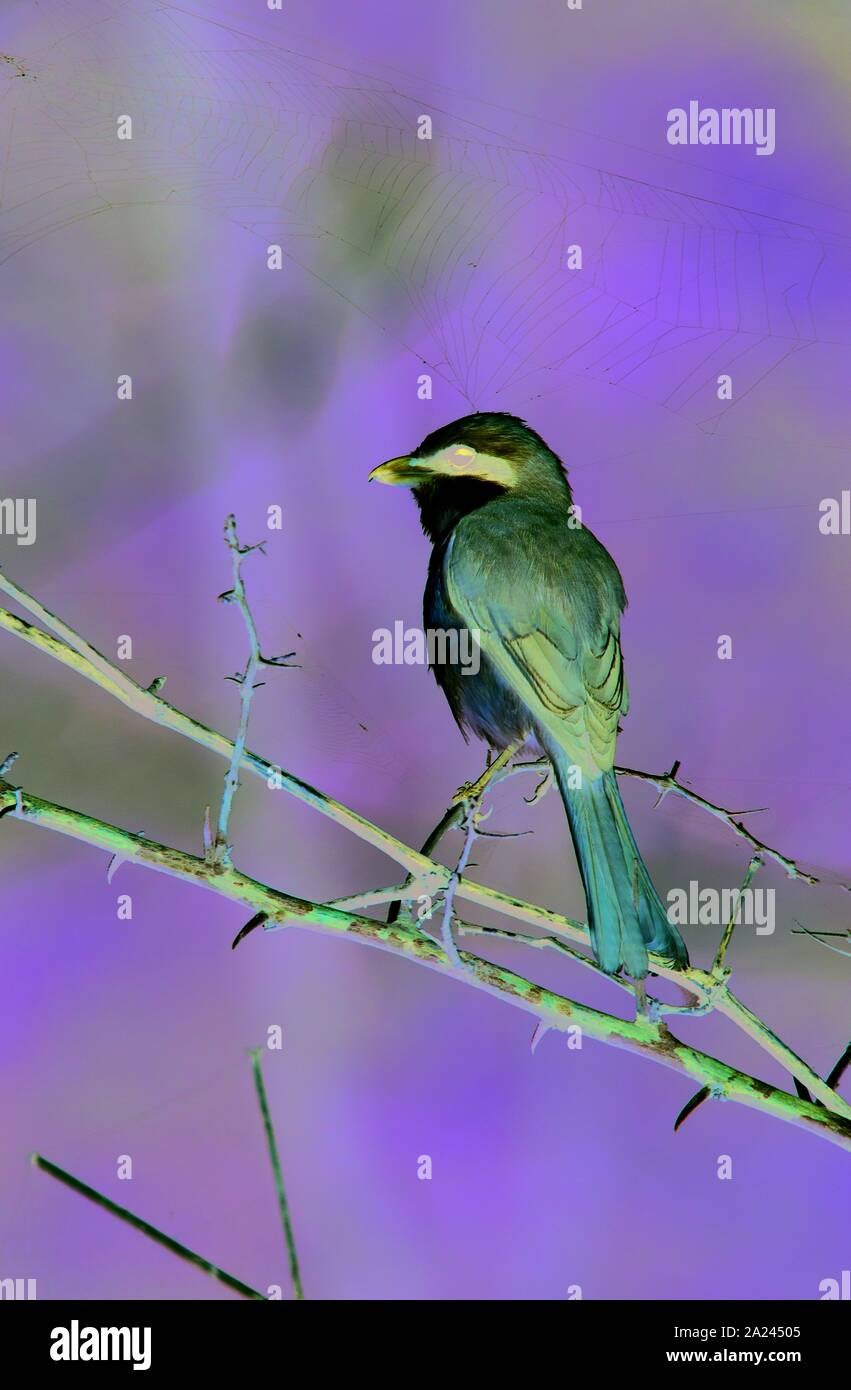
(277, 660)
(675, 767)
(156, 684)
(114, 865)
(227, 597)
(691, 1105)
(539, 1032)
(256, 921)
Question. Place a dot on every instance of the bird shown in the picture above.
(513, 564)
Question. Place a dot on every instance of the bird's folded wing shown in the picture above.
(571, 682)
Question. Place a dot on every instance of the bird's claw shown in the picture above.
(541, 789)
(468, 791)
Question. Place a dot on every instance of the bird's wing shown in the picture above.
(552, 633)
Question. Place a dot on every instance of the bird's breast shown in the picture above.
(478, 697)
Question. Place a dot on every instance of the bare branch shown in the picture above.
(718, 964)
(220, 851)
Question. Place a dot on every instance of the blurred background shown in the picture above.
(402, 259)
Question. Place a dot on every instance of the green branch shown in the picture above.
(642, 1035)
(709, 988)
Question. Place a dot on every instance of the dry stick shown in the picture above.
(718, 970)
(643, 1035)
(221, 849)
(260, 1086)
(74, 652)
(556, 943)
(451, 817)
(817, 937)
(471, 809)
(718, 963)
(150, 705)
(667, 782)
(246, 680)
(159, 1237)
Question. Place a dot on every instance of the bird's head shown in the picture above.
(461, 466)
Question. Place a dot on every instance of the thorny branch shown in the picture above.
(219, 852)
(829, 1114)
(642, 1034)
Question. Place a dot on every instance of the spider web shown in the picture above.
(457, 246)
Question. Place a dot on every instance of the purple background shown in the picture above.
(253, 388)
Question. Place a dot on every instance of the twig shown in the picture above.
(554, 943)
(452, 816)
(295, 1276)
(221, 849)
(817, 937)
(667, 782)
(159, 1237)
(469, 822)
(642, 1035)
(718, 963)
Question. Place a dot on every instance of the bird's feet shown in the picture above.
(470, 791)
(546, 783)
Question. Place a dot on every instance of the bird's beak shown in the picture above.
(401, 472)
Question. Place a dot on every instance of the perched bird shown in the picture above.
(512, 563)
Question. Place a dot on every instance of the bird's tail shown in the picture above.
(626, 918)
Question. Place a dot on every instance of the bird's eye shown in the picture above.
(462, 453)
